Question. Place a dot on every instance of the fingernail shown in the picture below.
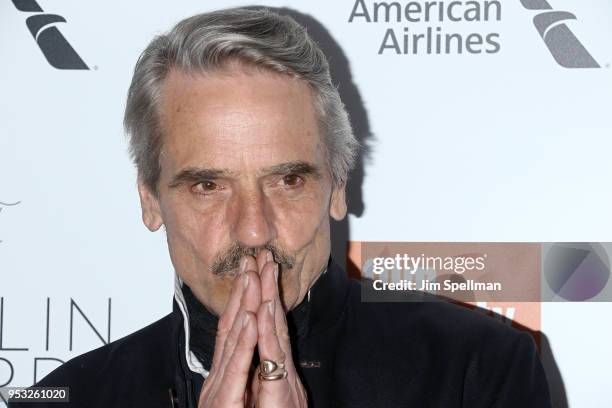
(246, 280)
(269, 257)
(243, 263)
(271, 305)
(245, 320)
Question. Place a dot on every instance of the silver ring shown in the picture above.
(269, 366)
(272, 377)
(269, 370)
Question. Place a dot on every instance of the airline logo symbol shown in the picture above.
(564, 46)
(54, 46)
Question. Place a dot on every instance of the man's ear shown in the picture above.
(337, 207)
(151, 213)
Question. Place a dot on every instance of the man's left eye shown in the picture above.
(292, 180)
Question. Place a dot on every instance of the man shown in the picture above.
(243, 150)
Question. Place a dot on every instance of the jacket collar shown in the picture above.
(328, 297)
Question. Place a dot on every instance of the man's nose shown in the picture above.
(251, 219)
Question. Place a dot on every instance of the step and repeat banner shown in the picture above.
(487, 147)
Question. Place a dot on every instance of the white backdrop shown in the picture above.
(504, 146)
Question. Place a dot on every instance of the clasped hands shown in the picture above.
(253, 317)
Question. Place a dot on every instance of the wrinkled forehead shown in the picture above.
(229, 117)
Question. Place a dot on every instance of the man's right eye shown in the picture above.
(205, 187)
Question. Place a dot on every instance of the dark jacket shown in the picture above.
(353, 355)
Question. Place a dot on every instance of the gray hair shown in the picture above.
(206, 42)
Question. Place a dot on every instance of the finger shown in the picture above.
(274, 344)
(267, 342)
(226, 320)
(269, 286)
(269, 349)
(251, 263)
(249, 302)
(252, 297)
(270, 291)
(234, 382)
(231, 341)
(282, 331)
(215, 378)
(252, 293)
(262, 258)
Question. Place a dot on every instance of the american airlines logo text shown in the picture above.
(465, 27)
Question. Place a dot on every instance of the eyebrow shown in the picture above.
(295, 167)
(195, 174)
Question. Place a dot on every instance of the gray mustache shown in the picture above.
(229, 262)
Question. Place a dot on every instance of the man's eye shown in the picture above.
(292, 180)
(205, 187)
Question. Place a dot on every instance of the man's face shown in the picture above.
(243, 167)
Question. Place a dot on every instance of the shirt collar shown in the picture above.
(192, 361)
